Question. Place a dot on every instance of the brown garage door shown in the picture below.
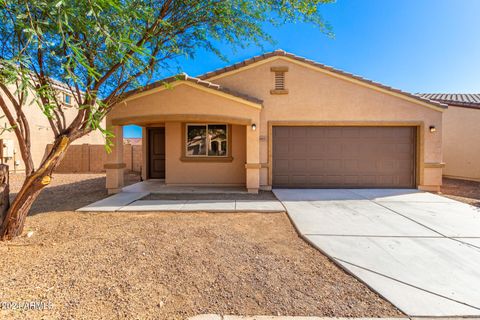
(343, 157)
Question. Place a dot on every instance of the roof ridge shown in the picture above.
(280, 52)
(186, 77)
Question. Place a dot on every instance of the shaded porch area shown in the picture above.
(157, 186)
(192, 136)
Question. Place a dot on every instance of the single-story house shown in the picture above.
(279, 120)
(461, 135)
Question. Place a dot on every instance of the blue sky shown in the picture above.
(413, 45)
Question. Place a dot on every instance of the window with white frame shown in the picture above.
(67, 99)
(206, 140)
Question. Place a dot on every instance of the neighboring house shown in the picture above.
(40, 131)
(133, 141)
(461, 134)
(279, 120)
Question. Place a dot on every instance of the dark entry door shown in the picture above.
(156, 153)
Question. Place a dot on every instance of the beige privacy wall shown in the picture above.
(461, 143)
(87, 158)
(325, 98)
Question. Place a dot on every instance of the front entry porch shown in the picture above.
(167, 164)
(194, 134)
(155, 196)
(158, 186)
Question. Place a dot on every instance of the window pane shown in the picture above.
(196, 140)
(217, 138)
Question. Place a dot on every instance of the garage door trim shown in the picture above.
(419, 139)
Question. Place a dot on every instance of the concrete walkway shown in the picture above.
(159, 186)
(130, 202)
(233, 317)
(418, 250)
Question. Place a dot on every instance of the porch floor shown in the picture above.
(159, 186)
(155, 196)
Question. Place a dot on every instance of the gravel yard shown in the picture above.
(462, 190)
(168, 265)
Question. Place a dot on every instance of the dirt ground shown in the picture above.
(169, 265)
(462, 190)
(68, 192)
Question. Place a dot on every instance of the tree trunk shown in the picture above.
(14, 220)
(4, 191)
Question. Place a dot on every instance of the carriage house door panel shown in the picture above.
(156, 153)
(343, 157)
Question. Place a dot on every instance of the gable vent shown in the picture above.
(279, 85)
(279, 80)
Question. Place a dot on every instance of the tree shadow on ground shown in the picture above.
(73, 195)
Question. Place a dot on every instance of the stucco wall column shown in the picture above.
(145, 143)
(252, 166)
(115, 165)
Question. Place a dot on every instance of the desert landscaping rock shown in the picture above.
(124, 265)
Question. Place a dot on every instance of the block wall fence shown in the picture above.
(90, 158)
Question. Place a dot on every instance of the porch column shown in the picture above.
(252, 166)
(115, 165)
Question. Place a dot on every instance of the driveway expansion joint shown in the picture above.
(420, 252)
(405, 283)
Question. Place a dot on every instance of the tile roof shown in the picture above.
(471, 100)
(282, 53)
(186, 77)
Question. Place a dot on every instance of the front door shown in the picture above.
(156, 153)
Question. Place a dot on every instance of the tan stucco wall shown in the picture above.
(461, 143)
(203, 173)
(179, 102)
(186, 104)
(41, 133)
(316, 96)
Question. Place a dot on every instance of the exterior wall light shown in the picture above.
(254, 127)
(433, 129)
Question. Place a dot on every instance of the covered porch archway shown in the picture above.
(210, 138)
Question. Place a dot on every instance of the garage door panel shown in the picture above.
(343, 157)
(315, 165)
(298, 132)
(298, 165)
(350, 165)
(367, 180)
(332, 132)
(281, 165)
(281, 149)
(281, 180)
(299, 179)
(315, 132)
(299, 149)
(282, 132)
(350, 150)
(351, 180)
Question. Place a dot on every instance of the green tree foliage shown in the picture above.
(99, 49)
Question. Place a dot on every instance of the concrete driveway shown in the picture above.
(418, 250)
